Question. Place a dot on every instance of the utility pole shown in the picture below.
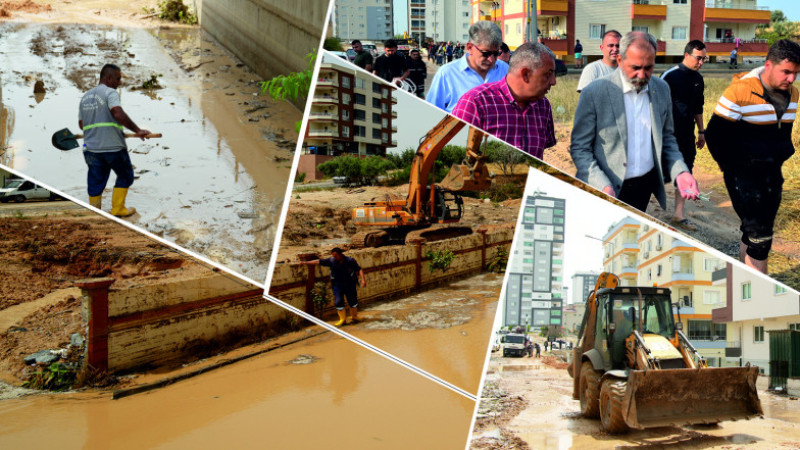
(531, 34)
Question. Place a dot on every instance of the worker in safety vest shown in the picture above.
(102, 120)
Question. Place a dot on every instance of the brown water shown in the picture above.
(343, 396)
(212, 184)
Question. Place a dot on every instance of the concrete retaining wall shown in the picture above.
(394, 271)
(270, 36)
(159, 324)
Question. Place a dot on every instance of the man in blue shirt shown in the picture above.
(345, 275)
(479, 65)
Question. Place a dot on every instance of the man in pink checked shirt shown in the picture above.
(514, 109)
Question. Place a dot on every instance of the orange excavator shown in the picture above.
(429, 207)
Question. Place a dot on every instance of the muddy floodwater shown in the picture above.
(444, 331)
(323, 393)
(214, 183)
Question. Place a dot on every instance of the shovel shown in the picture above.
(65, 140)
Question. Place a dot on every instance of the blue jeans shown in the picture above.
(100, 167)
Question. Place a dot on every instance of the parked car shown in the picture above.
(21, 190)
(342, 55)
(351, 54)
(370, 47)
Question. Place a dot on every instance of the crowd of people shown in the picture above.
(633, 132)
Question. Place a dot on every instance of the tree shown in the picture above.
(777, 16)
(506, 157)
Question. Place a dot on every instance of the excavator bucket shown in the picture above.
(461, 178)
(690, 396)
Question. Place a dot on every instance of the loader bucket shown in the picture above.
(459, 178)
(690, 396)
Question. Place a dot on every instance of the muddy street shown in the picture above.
(541, 414)
(319, 393)
(216, 180)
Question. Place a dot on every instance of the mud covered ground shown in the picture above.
(216, 180)
(319, 220)
(45, 248)
(529, 404)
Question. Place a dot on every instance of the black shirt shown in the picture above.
(390, 67)
(686, 87)
(419, 71)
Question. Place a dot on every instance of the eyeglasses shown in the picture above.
(488, 53)
(700, 58)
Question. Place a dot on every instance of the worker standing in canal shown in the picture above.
(345, 276)
(102, 120)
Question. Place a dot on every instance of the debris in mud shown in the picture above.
(304, 359)
(23, 5)
(151, 83)
(496, 409)
(38, 87)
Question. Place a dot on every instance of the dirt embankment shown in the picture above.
(42, 257)
(320, 220)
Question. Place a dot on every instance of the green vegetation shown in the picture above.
(440, 260)
(55, 377)
(174, 11)
(300, 177)
(333, 44)
(320, 296)
(152, 83)
(499, 261)
(357, 170)
(292, 87)
(779, 28)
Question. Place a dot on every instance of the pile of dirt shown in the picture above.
(496, 409)
(555, 362)
(7, 7)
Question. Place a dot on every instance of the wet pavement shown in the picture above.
(444, 331)
(216, 180)
(552, 419)
(324, 392)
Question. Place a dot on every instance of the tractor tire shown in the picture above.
(590, 391)
(612, 395)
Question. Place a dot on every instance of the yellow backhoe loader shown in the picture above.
(635, 368)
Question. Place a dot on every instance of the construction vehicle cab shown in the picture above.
(633, 366)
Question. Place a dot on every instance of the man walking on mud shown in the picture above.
(345, 275)
(750, 136)
(102, 120)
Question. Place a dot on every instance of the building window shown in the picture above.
(345, 131)
(345, 115)
(711, 297)
(794, 326)
(360, 99)
(346, 82)
(384, 108)
(746, 292)
(758, 333)
(376, 87)
(385, 92)
(519, 28)
(678, 33)
(679, 2)
(385, 123)
(644, 29)
(360, 83)
(345, 99)
(376, 118)
(376, 133)
(779, 290)
(711, 264)
(359, 114)
(658, 270)
(376, 102)
(360, 131)
(385, 137)
(596, 30)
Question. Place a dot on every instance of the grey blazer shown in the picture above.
(600, 134)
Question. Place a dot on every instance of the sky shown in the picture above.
(400, 16)
(790, 8)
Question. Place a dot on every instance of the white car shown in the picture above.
(22, 190)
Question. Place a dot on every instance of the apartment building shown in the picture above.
(621, 251)
(719, 23)
(439, 20)
(351, 113)
(363, 19)
(582, 285)
(534, 293)
(666, 261)
(573, 316)
(754, 307)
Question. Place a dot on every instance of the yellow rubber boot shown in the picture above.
(97, 201)
(118, 203)
(342, 316)
(354, 314)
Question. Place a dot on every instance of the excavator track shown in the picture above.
(438, 233)
(372, 238)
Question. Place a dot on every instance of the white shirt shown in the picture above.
(640, 130)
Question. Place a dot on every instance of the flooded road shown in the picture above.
(322, 393)
(216, 180)
(444, 331)
(552, 419)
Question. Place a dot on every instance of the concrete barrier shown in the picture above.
(394, 271)
(159, 324)
(270, 36)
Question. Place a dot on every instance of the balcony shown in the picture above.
(750, 47)
(661, 47)
(326, 99)
(327, 82)
(558, 46)
(649, 9)
(682, 276)
(736, 12)
(394, 143)
(394, 128)
(322, 117)
(552, 7)
(322, 133)
(394, 114)
(733, 349)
